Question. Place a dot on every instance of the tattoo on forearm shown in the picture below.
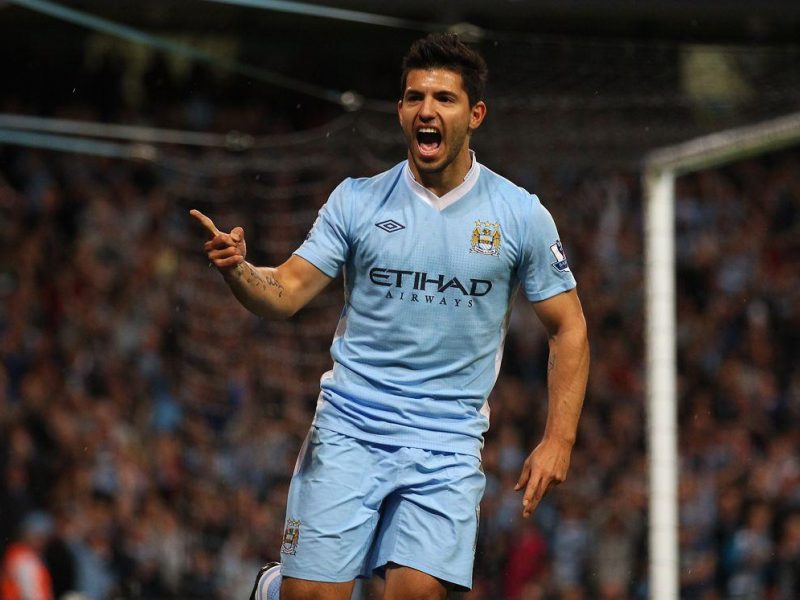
(251, 276)
(274, 283)
(551, 362)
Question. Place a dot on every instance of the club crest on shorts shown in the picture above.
(486, 238)
(291, 535)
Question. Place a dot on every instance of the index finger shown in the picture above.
(205, 222)
(534, 492)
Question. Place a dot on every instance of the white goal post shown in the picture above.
(661, 167)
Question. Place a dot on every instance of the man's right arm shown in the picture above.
(269, 292)
(276, 292)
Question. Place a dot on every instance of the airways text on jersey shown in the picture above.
(427, 288)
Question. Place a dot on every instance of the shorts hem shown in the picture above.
(459, 582)
(307, 576)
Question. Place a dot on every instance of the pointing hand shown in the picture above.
(545, 467)
(225, 250)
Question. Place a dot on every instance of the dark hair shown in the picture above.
(446, 51)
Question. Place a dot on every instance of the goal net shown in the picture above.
(722, 243)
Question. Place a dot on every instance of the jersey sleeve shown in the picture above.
(543, 271)
(328, 242)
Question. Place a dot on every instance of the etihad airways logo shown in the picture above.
(409, 284)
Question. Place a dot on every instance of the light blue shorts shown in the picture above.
(355, 506)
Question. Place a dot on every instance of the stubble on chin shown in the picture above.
(430, 168)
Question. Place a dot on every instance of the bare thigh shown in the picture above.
(302, 589)
(405, 583)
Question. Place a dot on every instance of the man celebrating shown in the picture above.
(433, 251)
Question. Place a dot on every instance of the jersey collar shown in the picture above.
(454, 195)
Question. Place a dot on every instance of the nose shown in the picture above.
(426, 110)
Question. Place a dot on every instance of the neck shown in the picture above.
(441, 182)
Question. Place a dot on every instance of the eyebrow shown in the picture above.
(436, 92)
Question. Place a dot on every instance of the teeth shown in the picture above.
(427, 130)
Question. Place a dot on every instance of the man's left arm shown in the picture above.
(567, 373)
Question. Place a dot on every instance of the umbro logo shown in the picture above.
(390, 226)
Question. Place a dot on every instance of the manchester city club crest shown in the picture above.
(486, 238)
(291, 536)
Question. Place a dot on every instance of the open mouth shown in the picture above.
(428, 139)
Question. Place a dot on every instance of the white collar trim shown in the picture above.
(458, 192)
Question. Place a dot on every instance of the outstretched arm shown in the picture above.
(567, 373)
(270, 292)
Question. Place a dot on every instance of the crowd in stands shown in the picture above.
(149, 425)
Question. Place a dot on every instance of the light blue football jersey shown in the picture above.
(428, 289)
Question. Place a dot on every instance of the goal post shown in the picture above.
(661, 167)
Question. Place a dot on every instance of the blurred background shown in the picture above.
(149, 425)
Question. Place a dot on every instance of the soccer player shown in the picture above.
(389, 479)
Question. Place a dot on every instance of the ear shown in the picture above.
(477, 115)
(400, 111)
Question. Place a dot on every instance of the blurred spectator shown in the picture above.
(751, 550)
(60, 559)
(571, 546)
(788, 567)
(612, 561)
(526, 564)
(24, 575)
